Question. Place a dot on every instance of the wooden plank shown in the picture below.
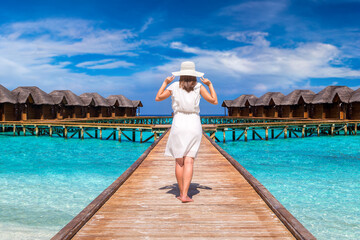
(144, 206)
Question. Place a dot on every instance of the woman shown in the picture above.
(186, 131)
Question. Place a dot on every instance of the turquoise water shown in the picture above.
(45, 182)
(316, 178)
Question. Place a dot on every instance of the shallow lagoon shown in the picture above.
(316, 178)
(45, 182)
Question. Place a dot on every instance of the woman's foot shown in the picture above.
(185, 199)
(179, 197)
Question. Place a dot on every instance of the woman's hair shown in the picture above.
(187, 83)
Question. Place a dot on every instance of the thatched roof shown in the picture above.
(40, 97)
(99, 100)
(327, 94)
(121, 99)
(240, 101)
(137, 103)
(265, 99)
(355, 96)
(6, 96)
(293, 97)
(71, 98)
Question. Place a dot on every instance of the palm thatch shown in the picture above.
(355, 96)
(265, 99)
(6, 96)
(121, 99)
(71, 98)
(226, 103)
(98, 100)
(327, 94)
(240, 101)
(294, 97)
(39, 96)
(137, 103)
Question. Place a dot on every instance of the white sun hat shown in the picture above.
(188, 69)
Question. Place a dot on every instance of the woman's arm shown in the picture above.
(210, 97)
(163, 94)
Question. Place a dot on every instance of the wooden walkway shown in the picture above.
(225, 205)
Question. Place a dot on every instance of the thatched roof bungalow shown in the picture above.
(241, 106)
(268, 104)
(331, 103)
(354, 102)
(122, 106)
(73, 106)
(98, 105)
(34, 103)
(296, 104)
(7, 105)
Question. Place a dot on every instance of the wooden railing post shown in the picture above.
(267, 133)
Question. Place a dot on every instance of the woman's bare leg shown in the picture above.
(179, 170)
(187, 176)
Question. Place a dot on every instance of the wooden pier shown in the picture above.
(229, 203)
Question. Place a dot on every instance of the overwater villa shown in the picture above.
(333, 102)
(297, 104)
(7, 104)
(242, 106)
(268, 105)
(25, 103)
(354, 105)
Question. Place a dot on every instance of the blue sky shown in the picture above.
(129, 47)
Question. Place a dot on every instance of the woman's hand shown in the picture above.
(205, 81)
(169, 79)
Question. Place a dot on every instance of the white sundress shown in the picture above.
(186, 131)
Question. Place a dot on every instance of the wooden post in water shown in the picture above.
(96, 133)
(272, 133)
(318, 130)
(267, 133)
(82, 132)
(50, 130)
(332, 129)
(355, 128)
(24, 130)
(345, 129)
(253, 134)
(224, 138)
(100, 132)
(36, 130)
(65, 132)
(3, 128)
(119, 134)
(133, 135)
(233, 134)
(14, 129)
(141, 135)
(155, 136)
(303, 131)
(285, 132)
(245, 135)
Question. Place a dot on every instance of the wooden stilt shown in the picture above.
(318, 130)
(155, 136)
(245, 135)
(355, 129)
(233, 134)
(114, 135)
(96, 133)
(82, 132)
(3, 128)
(65, 132)
(224, 133)
(253, 134)
(332, 129)
(267, 133)
(119, 134)
(36, 130)
(24, 130)
(14, 129)
(212, 135)
(285, 132)
(133, 135)
(50, 130)
(345, 129)
(303, 132)
(100, 132)
(141, 135)
(272, 133)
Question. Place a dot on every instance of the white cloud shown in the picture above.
(104, 64)
(146, 25)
